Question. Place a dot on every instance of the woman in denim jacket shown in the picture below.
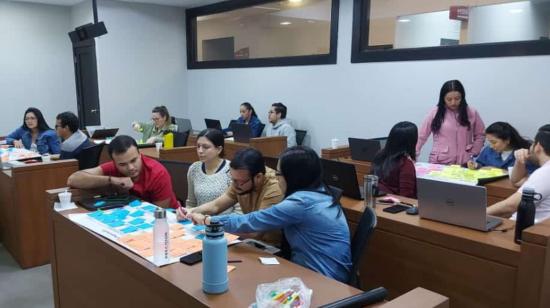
(35, 134)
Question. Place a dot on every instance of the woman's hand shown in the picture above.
(472, 165)
(136, 127)
(18, 144)
(181, 213)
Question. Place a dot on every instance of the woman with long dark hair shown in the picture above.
(249, 117)
(457, 128)
(394, 164)
(313, 221)
(35, 134)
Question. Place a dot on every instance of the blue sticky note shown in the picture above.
(200, 236)
(135, 203)
(185, 222)
(199, 228)
(107, 219)
(99, 203)
(129, 229)
(137, 213)
(116, 224)
(121, 213)
(149, 208)
(144, 226)
(171, 210)
(96, 214)
(137, 221)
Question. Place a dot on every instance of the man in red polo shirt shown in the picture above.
(130, 171)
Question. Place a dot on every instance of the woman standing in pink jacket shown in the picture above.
(458, 131)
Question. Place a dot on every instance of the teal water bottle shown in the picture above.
(214, 260)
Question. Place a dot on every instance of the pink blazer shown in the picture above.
(454, 143)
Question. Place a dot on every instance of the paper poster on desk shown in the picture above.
(458, 174)
(132, 227)
(14, 154)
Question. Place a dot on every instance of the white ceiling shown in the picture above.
(181, 3)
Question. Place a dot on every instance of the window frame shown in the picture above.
(191, 31)
(361, 19)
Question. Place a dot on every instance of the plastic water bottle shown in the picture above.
(160, 238)
(370, 187)
(34, 148)
(526, 212)
(214, 260)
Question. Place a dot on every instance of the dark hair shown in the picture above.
(301, 168)
(248, 159)
(401, 142)
(543, 138)
(215, 136)
(41, 122)
(163, 111)
(450, 86)
(280, 108)
(505, 131)
(69, 119)
(121, 144)
(248, 106)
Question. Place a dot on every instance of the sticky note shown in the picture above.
(199, 228)
(121, 213)
(268, 261)
(137, 221)
(144, 226)
(185, 222)
(137, 213)
(149, 208)
(116, 224)
(135, 203)
(99, 203)
(129, 229)
(200, 236)
(95, 214)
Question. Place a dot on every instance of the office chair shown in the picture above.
(180, 138)
(360, 300)
(89, 156)
(359, 243)
(300, 136)
(178, 174)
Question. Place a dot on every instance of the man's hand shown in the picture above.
(522, 156)
(124, 183)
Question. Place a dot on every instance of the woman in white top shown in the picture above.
(209, 178)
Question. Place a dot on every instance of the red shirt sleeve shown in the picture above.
(407, 179)
(109, 168)
(162, 187)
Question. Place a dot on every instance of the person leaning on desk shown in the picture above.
(312, 219)
(254, 186)
(35, 134)
(154, 132)
(539, 180)
(129, 171)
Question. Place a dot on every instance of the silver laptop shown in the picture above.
(455, 203)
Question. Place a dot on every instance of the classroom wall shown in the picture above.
(36, 67)
(141, 61)
(365, 100)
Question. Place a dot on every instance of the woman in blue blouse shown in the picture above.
(248, 116)
(313, 221)
(35, 134)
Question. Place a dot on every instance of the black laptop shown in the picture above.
(365, 149)
(241, 132)
(212, 123)
(341, 175)
(104, 133)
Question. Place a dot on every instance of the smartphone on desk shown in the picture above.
(394, 209)
(191, 259)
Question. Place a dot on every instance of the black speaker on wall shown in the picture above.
(87, 31)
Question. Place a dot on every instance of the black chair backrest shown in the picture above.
(262, 126)
(180, 138)
(89, 156)
(300, 136)
(360, 300)
(178, 173)
(359, 242)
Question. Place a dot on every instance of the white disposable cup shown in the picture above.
(158, 145)
(46, 158)
(65, 198)
(334, 143)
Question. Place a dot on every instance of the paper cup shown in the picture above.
(65, 198)
(46, 158)
(158, 145)
(334, 143)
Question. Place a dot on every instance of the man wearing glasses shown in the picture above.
(74, 140)
(254, 186)
(539, 154)
(279, 125)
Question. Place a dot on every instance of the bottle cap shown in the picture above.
(214, 230)
(160, 213)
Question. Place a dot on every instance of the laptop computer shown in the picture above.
(342, 175)
(212, 123)
(104, 133)
(241, 132)
(365, 149)
(455, 203)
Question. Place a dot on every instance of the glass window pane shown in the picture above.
(269, 30)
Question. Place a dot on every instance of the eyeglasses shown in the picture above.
(271, 111)
(30, 118)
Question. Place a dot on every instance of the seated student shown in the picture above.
(130, 171)
(249, 116)
(209, 178)
(312, 219)
(539, 153)
(154, 132)
(279, 126)
(503, 140)
(254, 186)
(394, 164)
(34, 134)
(74, 140)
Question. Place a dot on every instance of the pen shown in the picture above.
(234, 261)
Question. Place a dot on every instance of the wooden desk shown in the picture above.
(330, 153)
(90, 271)
(499, 190)
(186, 154)
(472, 268)
(268, 146)
(22, 212)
